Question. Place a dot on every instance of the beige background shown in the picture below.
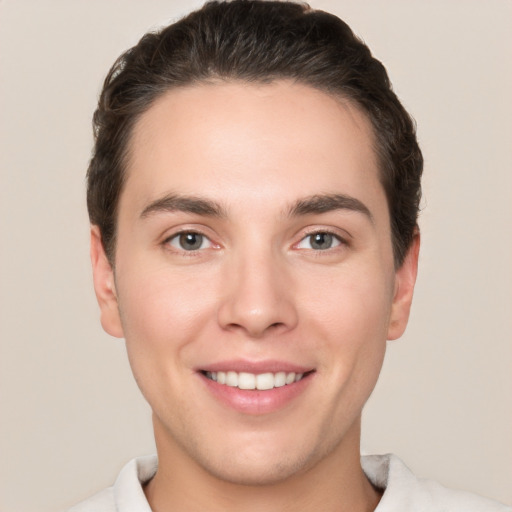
(71, 415)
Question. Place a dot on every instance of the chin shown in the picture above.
(267, 460)
(250, 472)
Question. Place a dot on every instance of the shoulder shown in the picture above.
(404, 491)
(127, 493)
(100, 502)
(451, 500)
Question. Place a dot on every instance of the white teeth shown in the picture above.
(246, 380)
(279, 379)
(262, 381)
(232, 379)
(265, 381)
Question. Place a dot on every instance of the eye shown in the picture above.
(320, 241)
(189, 241)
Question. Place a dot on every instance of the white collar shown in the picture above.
(402, 490)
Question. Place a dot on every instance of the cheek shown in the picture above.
(351, 321)
(163, 314)
(163, 309)
(354, 306)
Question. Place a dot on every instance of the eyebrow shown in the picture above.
(187, 204)
(323, 203)
(315, 204)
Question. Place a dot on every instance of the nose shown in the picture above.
(258, 297)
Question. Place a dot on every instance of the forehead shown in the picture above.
(270, 143)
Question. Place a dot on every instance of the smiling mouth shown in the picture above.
(252, 381)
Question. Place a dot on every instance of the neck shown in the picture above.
(334, 484)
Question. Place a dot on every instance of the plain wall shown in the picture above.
(71, 415)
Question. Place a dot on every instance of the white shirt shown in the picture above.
(403, 492)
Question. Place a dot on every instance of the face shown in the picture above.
(254, 279)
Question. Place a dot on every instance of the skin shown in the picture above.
(256, 289)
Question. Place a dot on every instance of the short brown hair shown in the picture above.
(255, 41)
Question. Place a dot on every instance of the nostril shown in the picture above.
(255, 312)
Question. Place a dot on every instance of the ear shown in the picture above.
(405, 279)
(104, 286)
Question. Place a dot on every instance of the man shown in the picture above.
(253, 195)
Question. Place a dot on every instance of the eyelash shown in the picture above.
(341, 241)
(167, 242)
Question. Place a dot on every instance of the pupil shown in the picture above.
(321, 241)
(191, 241)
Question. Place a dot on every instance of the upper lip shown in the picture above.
(256, 367)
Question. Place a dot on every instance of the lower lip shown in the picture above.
(256, 401)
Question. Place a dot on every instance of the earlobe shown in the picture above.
(405, 279)
(104, 286)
